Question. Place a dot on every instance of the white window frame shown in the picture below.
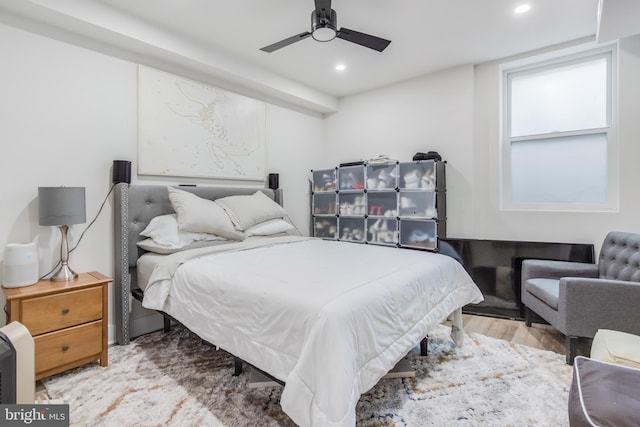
(542, 63)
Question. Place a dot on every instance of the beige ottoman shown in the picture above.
(616, 347)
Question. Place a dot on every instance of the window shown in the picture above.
(558, 138)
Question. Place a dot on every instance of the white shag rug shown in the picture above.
(174, 380)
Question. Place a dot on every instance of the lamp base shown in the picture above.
(63, 274)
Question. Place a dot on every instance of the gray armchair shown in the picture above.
(578, 299)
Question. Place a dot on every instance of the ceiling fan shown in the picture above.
(324, 27)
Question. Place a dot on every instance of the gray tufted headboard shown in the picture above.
(620, 257)
(135, 206)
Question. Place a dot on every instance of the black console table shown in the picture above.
(495, 266)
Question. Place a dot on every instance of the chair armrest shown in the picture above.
(586, 305)
(547, 269)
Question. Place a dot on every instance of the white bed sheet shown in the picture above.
(328, 318)
(144, 268)
(148, 261)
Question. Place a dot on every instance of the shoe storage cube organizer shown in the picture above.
(394, 204)
(382, 231)
(418, 234)
(324, 180)
(324, 204)
(325, 227)
(351, 229)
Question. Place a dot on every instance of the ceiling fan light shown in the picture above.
(324, 34)
(323, 28)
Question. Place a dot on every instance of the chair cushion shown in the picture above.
(546, 290)
(603, 394)
(620, 257)
(616, 347)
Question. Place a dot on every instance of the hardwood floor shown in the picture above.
(538, 336)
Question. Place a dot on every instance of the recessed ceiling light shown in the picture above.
(522, 8)
(341, 67)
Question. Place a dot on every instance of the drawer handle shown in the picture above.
(65, 311)
(65, 347)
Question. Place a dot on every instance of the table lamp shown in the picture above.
(62, 206)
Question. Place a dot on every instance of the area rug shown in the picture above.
(174, 379)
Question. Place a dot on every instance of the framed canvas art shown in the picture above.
(190, 129)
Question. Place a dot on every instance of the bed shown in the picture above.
(326, 318)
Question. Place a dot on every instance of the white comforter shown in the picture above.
(328, 318)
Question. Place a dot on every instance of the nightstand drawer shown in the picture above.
(54, 312)
(57, 349)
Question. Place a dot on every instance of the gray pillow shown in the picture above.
(247, 211)
(270, 228)
(199, 215)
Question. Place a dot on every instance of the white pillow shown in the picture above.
(200, 215)
(164, 231)
(267, 228)
(151, 246)
(247, 211)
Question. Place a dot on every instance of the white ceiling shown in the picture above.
(222, 37)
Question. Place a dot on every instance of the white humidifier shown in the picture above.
(20, 266)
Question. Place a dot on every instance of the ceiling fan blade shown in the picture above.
(323, 4)
(366, 40)
(286, 42)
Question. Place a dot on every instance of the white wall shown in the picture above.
(581, 227)
(456, 112)
(66, 113)
(434, 112)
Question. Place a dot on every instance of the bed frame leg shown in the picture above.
(424, 346)
(457, 332)
(167, 323)
(237, 366)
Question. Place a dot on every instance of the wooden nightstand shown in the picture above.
(68, 321)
